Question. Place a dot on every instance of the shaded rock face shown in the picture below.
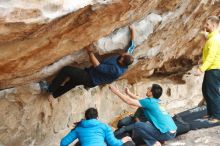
(29, 119)
(38, 39)
(38, 45)
(44, 44)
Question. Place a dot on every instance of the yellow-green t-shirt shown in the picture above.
(211, 52)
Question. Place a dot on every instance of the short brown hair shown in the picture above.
(215, 19)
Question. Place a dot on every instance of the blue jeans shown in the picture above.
(150, 134)
(125, 121)
(125, 127)
(129, 143)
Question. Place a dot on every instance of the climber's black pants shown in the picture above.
(192, 114)
(211, 92)
(74, 76)
(190, 120)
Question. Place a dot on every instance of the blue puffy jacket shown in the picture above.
(91, 133)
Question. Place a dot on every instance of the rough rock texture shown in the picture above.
(40, 11)
(39, 45)
(202, 137)
(29, 119)
(176, 40)
(35, 44)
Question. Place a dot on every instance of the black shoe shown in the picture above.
(44, 86)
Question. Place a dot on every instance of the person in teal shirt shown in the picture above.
(161, 126)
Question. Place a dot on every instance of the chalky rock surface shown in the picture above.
(39, 37)
(29, 119)
(27, 48)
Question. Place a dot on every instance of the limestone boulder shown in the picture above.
(38, 37)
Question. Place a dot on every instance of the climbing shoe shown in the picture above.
(44, 86)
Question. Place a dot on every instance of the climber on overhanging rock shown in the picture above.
(92, 132)
(211, 67)
(160, 127)
(99, 73)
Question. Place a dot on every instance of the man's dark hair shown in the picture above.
(156, 91)
(91, 113)
(128, 60)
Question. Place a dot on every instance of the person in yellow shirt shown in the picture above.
(211, 67)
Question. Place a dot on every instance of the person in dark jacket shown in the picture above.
(126, 125)
(92, 132)
(99, 73)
